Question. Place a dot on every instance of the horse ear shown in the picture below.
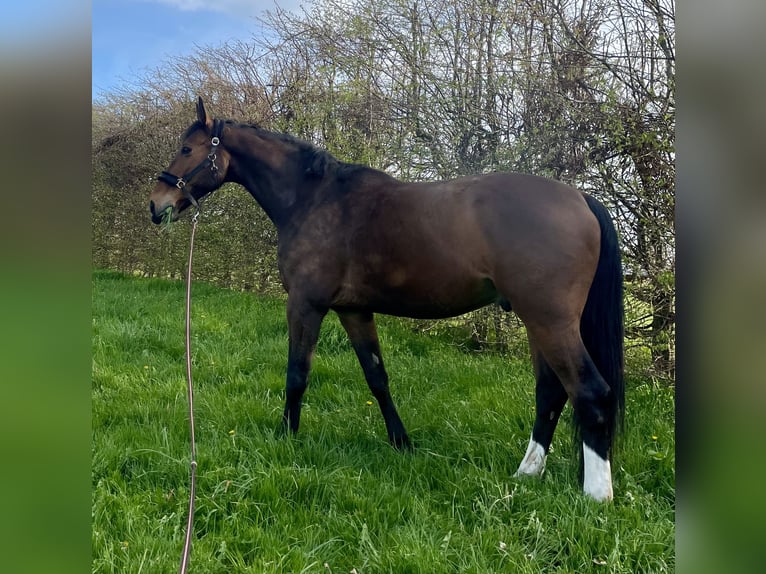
(201, 113)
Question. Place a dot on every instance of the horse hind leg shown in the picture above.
(594, 404)
(550, 398)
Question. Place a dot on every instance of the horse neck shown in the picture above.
(262, 166)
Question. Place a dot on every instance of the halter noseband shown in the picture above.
(180, 182)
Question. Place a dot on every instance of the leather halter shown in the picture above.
(180, 182)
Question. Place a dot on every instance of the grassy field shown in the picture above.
(337, 498)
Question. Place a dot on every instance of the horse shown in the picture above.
(358, 241)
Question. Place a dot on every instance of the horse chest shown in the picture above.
(309, 262)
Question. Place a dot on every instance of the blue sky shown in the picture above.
(130, 37)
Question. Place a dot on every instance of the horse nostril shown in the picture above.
(151, 207)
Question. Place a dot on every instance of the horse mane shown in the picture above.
(316, 162)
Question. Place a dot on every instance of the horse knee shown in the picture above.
(375, 375)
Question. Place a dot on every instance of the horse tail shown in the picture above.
(602, 324)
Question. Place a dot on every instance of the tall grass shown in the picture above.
(336, 498)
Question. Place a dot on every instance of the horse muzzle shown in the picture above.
(164, 215)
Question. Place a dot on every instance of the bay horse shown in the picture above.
(358, 241)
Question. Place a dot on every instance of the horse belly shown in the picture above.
(425, 293)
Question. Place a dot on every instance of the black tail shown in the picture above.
(602, 325)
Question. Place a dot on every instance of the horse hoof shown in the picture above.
(286, 429)
(401, 442)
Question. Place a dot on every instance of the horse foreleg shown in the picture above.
(304, 322)
(361, 330)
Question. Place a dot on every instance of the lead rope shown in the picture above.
(186, 555)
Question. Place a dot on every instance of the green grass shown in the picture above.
(336, 497)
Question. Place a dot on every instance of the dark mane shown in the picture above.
(315, 161)
(348, 172)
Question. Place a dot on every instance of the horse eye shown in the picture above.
(186, 150)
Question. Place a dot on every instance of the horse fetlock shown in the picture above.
(291, 417)
(400, 442)
(533, 463)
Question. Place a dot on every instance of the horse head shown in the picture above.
(198, 169)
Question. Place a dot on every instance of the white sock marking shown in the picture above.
(597, 481)
(533, 463)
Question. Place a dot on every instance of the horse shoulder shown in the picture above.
(309, 252)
